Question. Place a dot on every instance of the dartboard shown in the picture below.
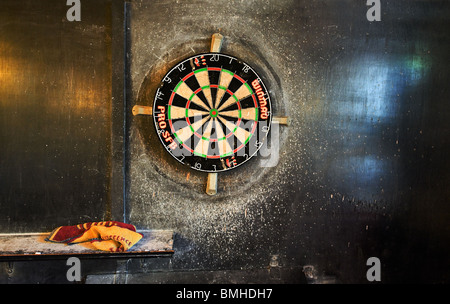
(212, 112)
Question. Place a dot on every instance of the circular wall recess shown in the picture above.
(203, 117)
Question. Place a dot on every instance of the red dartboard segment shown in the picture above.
(212, 116)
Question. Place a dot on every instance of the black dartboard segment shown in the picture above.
(212, 112)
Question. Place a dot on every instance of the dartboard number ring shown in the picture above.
(212, 112)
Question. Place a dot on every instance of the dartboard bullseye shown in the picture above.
(212, 112)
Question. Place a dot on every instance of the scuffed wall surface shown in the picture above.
(357, 163)
(238, 222)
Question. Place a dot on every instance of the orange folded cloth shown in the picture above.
(108, 236)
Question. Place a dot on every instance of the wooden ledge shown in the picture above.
(33, 246)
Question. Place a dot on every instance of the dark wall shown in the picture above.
(55, 115)
(361, 171)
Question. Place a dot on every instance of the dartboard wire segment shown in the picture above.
(212, 112)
